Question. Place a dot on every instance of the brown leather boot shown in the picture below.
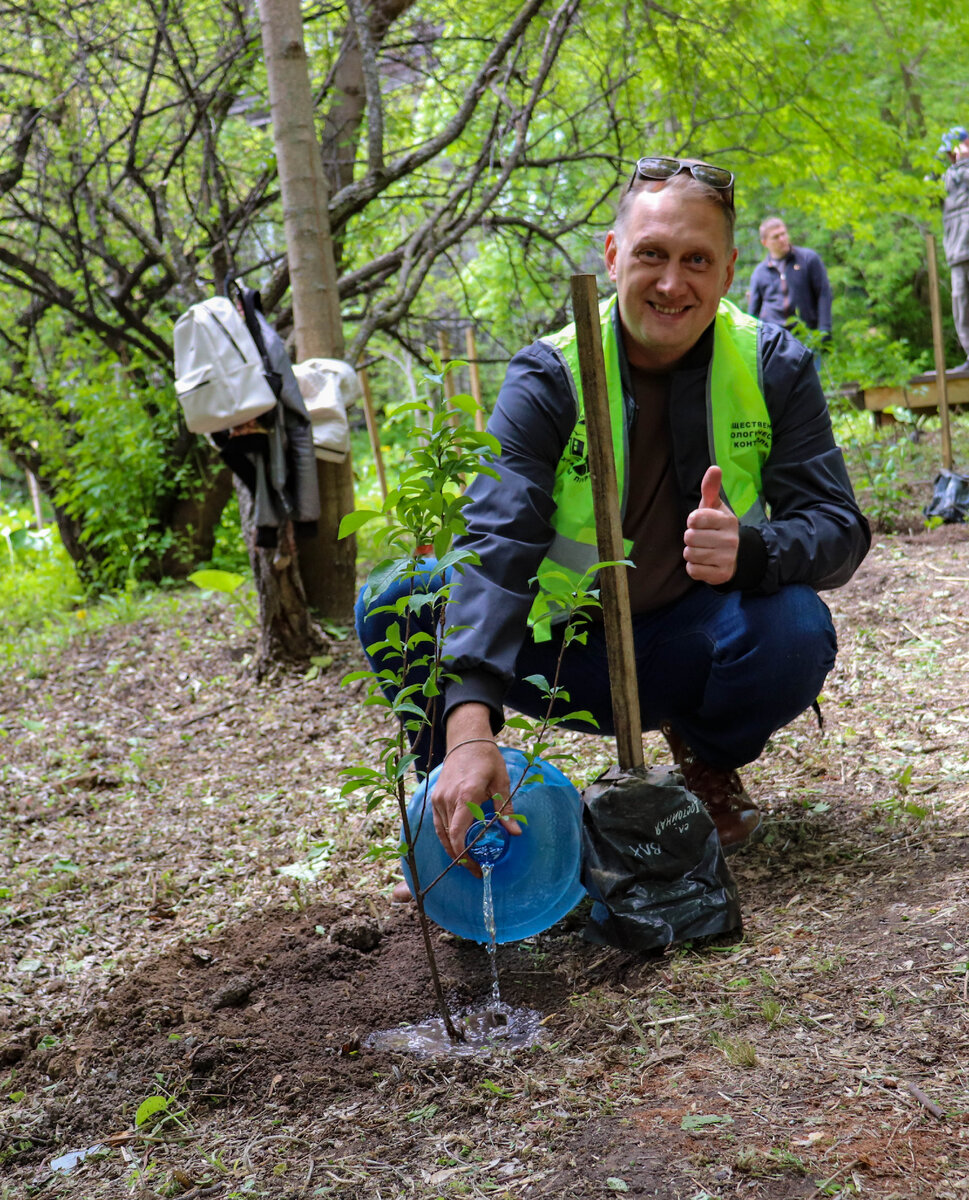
(737, 818)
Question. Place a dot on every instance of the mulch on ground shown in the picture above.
(189, 911)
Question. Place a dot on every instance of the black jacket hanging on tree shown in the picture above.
(276, 464)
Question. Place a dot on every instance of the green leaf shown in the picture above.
(493, 1087)
(148, 1108)
(357, 519)
(476, 811)
(226, 582)
(699, 1121)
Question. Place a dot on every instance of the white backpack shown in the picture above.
(220, 377)
(328, 386)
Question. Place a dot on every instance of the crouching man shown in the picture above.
(736, 506)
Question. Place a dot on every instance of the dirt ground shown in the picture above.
(190, 918)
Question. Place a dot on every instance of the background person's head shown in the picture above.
(955, 144)
(774, 237)
(671, 257)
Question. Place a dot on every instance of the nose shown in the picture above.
(672, 279)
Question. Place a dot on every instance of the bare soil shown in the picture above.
(155, 946)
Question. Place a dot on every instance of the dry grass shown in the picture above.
(151, 795)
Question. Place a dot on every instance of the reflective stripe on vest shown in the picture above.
(738, 437)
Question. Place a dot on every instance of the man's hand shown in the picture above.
(712, 535)
(474, 773)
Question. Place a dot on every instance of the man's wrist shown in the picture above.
(469, 722)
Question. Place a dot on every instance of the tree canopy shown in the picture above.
(472, 154)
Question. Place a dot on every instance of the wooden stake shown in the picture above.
(372, 432)
(472, 352)
(940, 380)
(613, 583)
(34, 488)
(444, 349)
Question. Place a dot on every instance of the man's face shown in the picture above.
(776, 240)
(671, 264)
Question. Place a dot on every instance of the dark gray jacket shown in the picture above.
(808, 286)
(816, 533)
(955, 214)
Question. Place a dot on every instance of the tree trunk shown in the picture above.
(193, 522)
(286, 633)
(327, 564)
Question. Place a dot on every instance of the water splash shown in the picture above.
(486, 1031)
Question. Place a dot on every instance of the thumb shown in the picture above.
(710, 488)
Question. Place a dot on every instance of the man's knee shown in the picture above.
(375, 612)
(808, 640)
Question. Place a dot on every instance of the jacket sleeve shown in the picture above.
(816, 533)
(297, 455)
(509, 528)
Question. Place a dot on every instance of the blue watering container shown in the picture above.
(534, 878)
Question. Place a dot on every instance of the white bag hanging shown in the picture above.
(328, 386)
(220, 379)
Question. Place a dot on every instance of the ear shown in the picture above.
(730, 271)
(611, 250)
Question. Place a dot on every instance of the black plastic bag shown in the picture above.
(653, 864)
(950, 498)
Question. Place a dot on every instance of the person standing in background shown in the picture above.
(955, 230)
(791, 283)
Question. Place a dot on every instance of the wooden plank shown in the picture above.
(921, 392)
(613, 584)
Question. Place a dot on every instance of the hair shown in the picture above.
(682, 182)
(768, 224)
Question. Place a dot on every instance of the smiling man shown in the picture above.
(736, 505)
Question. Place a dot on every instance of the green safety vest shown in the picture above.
(738, 434)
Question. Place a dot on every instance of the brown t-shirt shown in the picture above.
(654, 518)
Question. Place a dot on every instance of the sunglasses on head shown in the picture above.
(665, 168)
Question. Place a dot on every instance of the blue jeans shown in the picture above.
(725, 669)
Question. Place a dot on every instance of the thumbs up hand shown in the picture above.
(712, 534)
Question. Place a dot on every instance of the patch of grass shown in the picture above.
(737, 1051)
(772, 1011)
(772, 1164)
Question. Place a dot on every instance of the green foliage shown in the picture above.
(160, 1109)
(103, 434)
(864, 354)
(229, 552)
(38, 585)
(422, 516)
(225, 583)
(121, 206)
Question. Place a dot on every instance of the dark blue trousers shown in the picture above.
(725, 669)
